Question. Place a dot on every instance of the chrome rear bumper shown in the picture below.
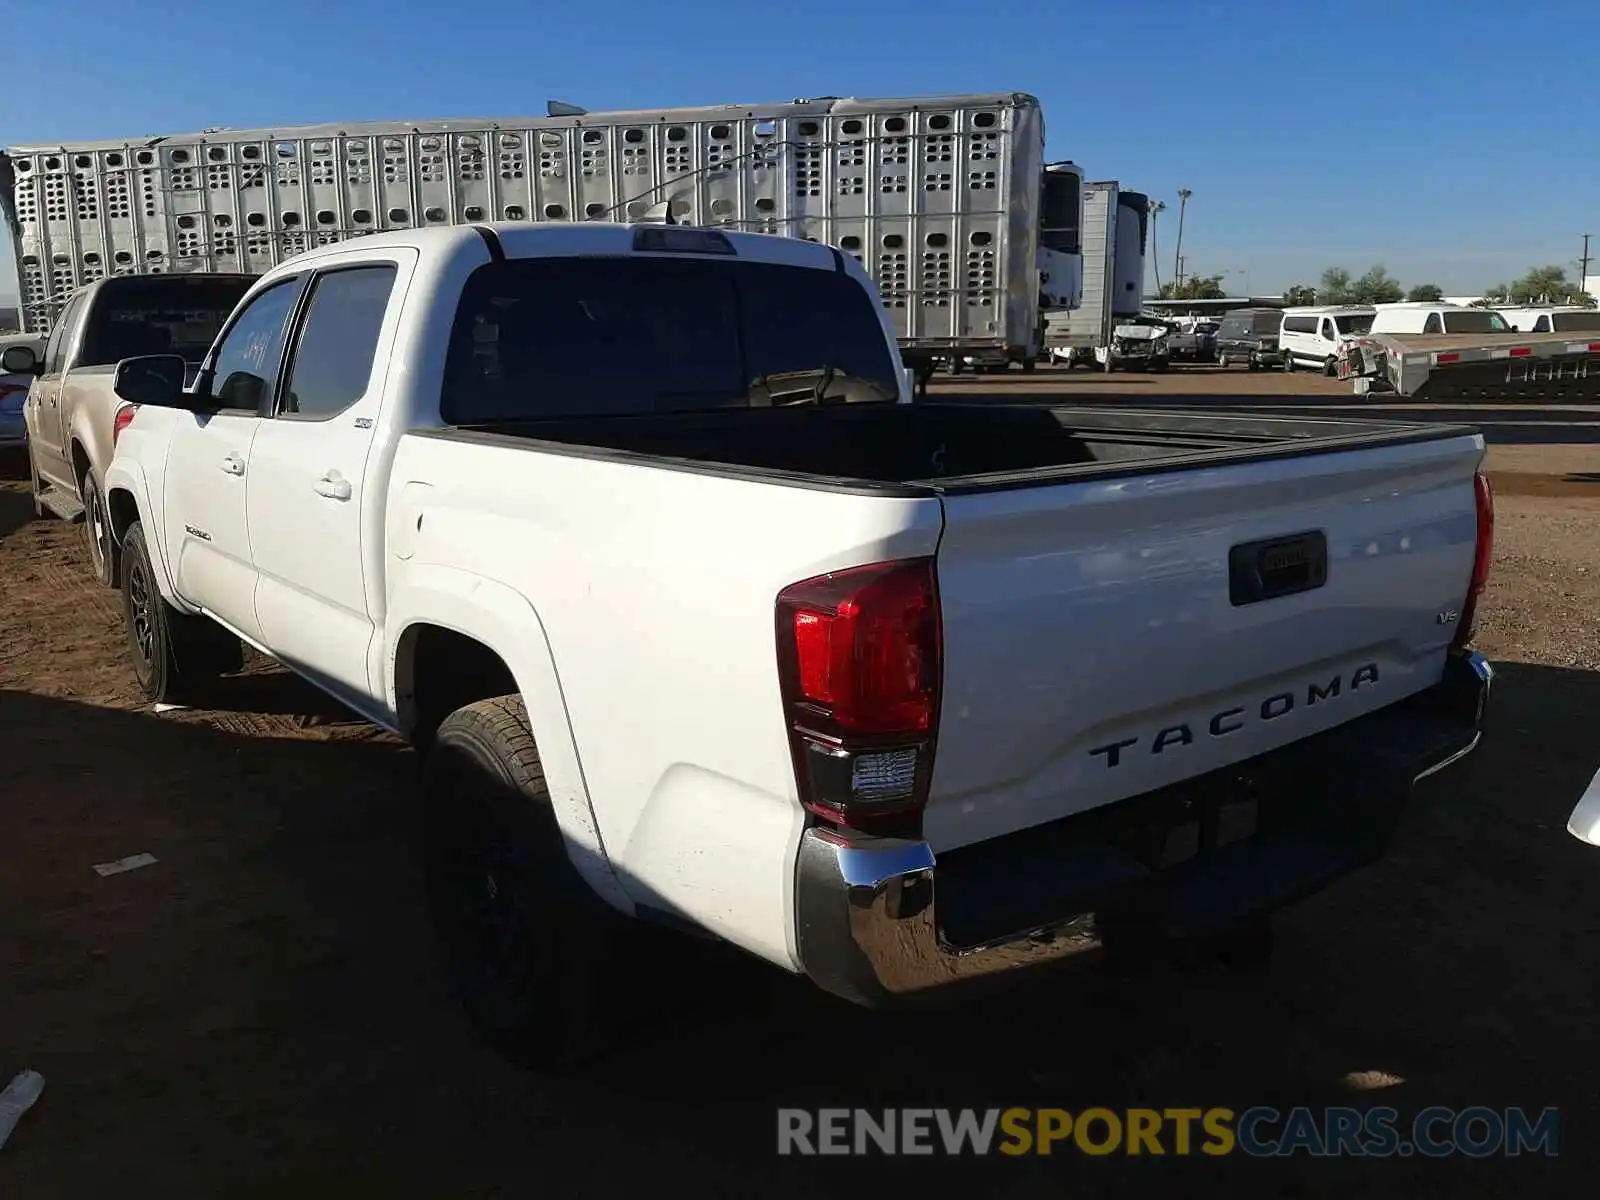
(869, 926)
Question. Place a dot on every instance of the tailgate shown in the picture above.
(1104, 638)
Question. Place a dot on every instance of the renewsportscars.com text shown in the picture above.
(1258, 1132)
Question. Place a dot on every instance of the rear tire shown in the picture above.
(1331, 367)
(97, 531)
(1288, 364)
(1222, 361)
(524, 939)
(176, 657)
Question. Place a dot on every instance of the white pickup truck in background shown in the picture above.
(695, 618)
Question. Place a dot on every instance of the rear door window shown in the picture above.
(338, 341)
(560, 337)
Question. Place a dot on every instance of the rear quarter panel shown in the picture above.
(655, 591)
(89, 406)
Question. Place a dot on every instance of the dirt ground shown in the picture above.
(259, 1012)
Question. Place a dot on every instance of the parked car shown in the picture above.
(1194, 343)
(72, 410)
(1560, 318)
(1250, 336)
(14, 388)
(1314, 337)
(1427, 318)
(1139, 345)
(697, 618)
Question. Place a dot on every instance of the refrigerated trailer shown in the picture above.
(945, 200)
(1115, 228)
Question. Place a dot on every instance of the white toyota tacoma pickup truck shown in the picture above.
(695, 617)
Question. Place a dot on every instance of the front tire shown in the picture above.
(176, 656)
(523, 937)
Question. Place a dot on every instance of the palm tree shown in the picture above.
(1177, 254)
(1157, 207)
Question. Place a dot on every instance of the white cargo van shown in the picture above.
(1558, 318)
(1312, 336)
(1426, 318)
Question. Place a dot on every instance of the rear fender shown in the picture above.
(502, 619)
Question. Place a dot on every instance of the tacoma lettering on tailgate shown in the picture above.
(1231, 720)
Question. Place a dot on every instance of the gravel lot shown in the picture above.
(259, 1014)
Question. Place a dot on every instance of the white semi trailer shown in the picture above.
(946, 200)
(1115, 233)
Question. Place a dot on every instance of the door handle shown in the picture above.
(233, 464)
(334, 486)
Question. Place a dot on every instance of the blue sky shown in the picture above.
(1453, 142)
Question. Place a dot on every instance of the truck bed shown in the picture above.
(1105, 633)
(951, 448)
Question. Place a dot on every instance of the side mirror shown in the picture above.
(152, 379)
(19, 360)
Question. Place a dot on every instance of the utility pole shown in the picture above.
(1177, 253)
(1583, 263)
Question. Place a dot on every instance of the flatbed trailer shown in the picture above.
(1475, 366)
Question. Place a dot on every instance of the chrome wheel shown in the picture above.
(97, 529)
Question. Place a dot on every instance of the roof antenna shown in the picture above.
(659, 213)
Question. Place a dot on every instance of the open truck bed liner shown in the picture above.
(950, 449)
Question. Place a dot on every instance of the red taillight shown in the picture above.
(859, 658)
(122, 420)
(1482, 554)
(1521, 351)
(1446, 358)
